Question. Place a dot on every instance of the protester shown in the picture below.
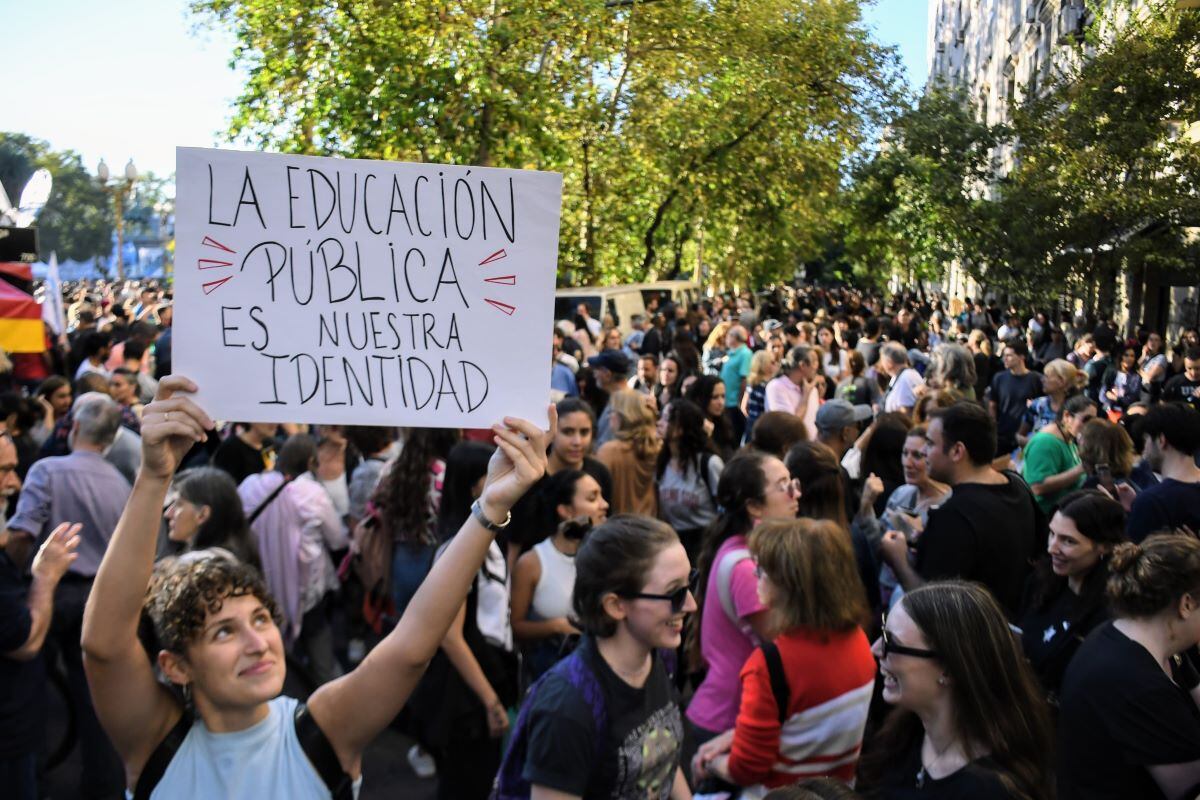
(631, 455)
(806, 578)
(753, 487)
(544, 578)
(1106, 453)
(1060, 382)
(1122, 383)
(296, 527)
(1185, 387)
(734, 375)
(763, 368)
(794, 390)
(905, 383)
(708, 393)
(233, 739)
(1171, 436)
(671, 375)
(611, 371)
(248, 451)
(1050, 463)
(969, 720)
(206, 512)
(631, 598)
(1129, 724)
(1009, 395)
(687, 474)
(987, 530)
(776, 432)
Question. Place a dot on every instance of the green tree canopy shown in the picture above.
(679, 125)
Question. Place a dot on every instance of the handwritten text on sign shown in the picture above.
(363, 292)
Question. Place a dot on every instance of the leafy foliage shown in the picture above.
(685, 129)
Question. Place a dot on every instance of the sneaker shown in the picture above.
(421, 762)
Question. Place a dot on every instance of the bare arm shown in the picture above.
(1175, 779)
(1056, 483)
(353, 709)
(134, 709)
(50, 564)
(459, 652)
(680, 790)
(525, 581)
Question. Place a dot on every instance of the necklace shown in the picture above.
(923, 772)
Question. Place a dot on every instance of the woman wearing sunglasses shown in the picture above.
(753, 487)
(970, 722)
(632, 580)
(813, 724)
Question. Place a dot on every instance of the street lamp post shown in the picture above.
(120, 189)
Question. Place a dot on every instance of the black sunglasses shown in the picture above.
(677, 598)
(901, 650)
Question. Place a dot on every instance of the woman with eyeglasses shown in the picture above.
(754, 487)
(811, 722)
(1129, 721)
(632, 579)
(969, 721)
(544, 577)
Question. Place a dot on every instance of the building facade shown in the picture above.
(999, 53)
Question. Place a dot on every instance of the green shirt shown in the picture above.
(1046, 455)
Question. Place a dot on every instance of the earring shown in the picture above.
(942, 681)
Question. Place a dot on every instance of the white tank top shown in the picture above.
(265, 760)
(552, 595)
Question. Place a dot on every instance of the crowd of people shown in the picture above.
(816, 543)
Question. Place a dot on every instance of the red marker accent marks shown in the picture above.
(507, 280)
(505, 307)
(211, 242)
(212, 286)
(496, 256)
(212, 263)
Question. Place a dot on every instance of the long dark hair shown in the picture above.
(998, 706)
(743, 481)
(700, 393)
(883, 451)
(675, 390)
(822, 495)
(687, 418)
(1099, 518)
(226, 524)
(466, 463)
(402, 494)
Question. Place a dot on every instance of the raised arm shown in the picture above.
(135, 710)
(353, 709)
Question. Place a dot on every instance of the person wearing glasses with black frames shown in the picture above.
(969, 720)
(632, 593)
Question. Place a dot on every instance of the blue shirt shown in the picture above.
(734, 374)
(1163, 507)
(82, 487)
(563, 380)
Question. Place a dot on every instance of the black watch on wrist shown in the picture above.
(482, 518)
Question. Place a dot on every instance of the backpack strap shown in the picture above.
(263, 505)
(160, 759)
(320, 754)
(725, 585)
(779, 684)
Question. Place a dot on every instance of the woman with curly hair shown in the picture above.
(631, 455)
(232, 734)
(405, 506)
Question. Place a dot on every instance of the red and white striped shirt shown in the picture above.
(830, 679)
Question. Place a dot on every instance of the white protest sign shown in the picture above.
(350, 292)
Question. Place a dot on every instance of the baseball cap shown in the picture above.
(837, 414)
(614, 361)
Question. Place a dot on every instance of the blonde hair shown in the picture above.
(1073, 377)
(980, 340)
(716, 337)
(636, 424)
(759, 365)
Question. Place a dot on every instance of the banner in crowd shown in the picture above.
(353, 292)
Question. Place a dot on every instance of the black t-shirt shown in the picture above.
(1120, 714)
(1011, 394)
(1051, 635)
(532, 517)
(642, 745)
(978, 780)
(239, 459)
(22, 683)
(1163, 507)
(982, 533)
(1180, 390)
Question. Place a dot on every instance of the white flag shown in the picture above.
(52, 302)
